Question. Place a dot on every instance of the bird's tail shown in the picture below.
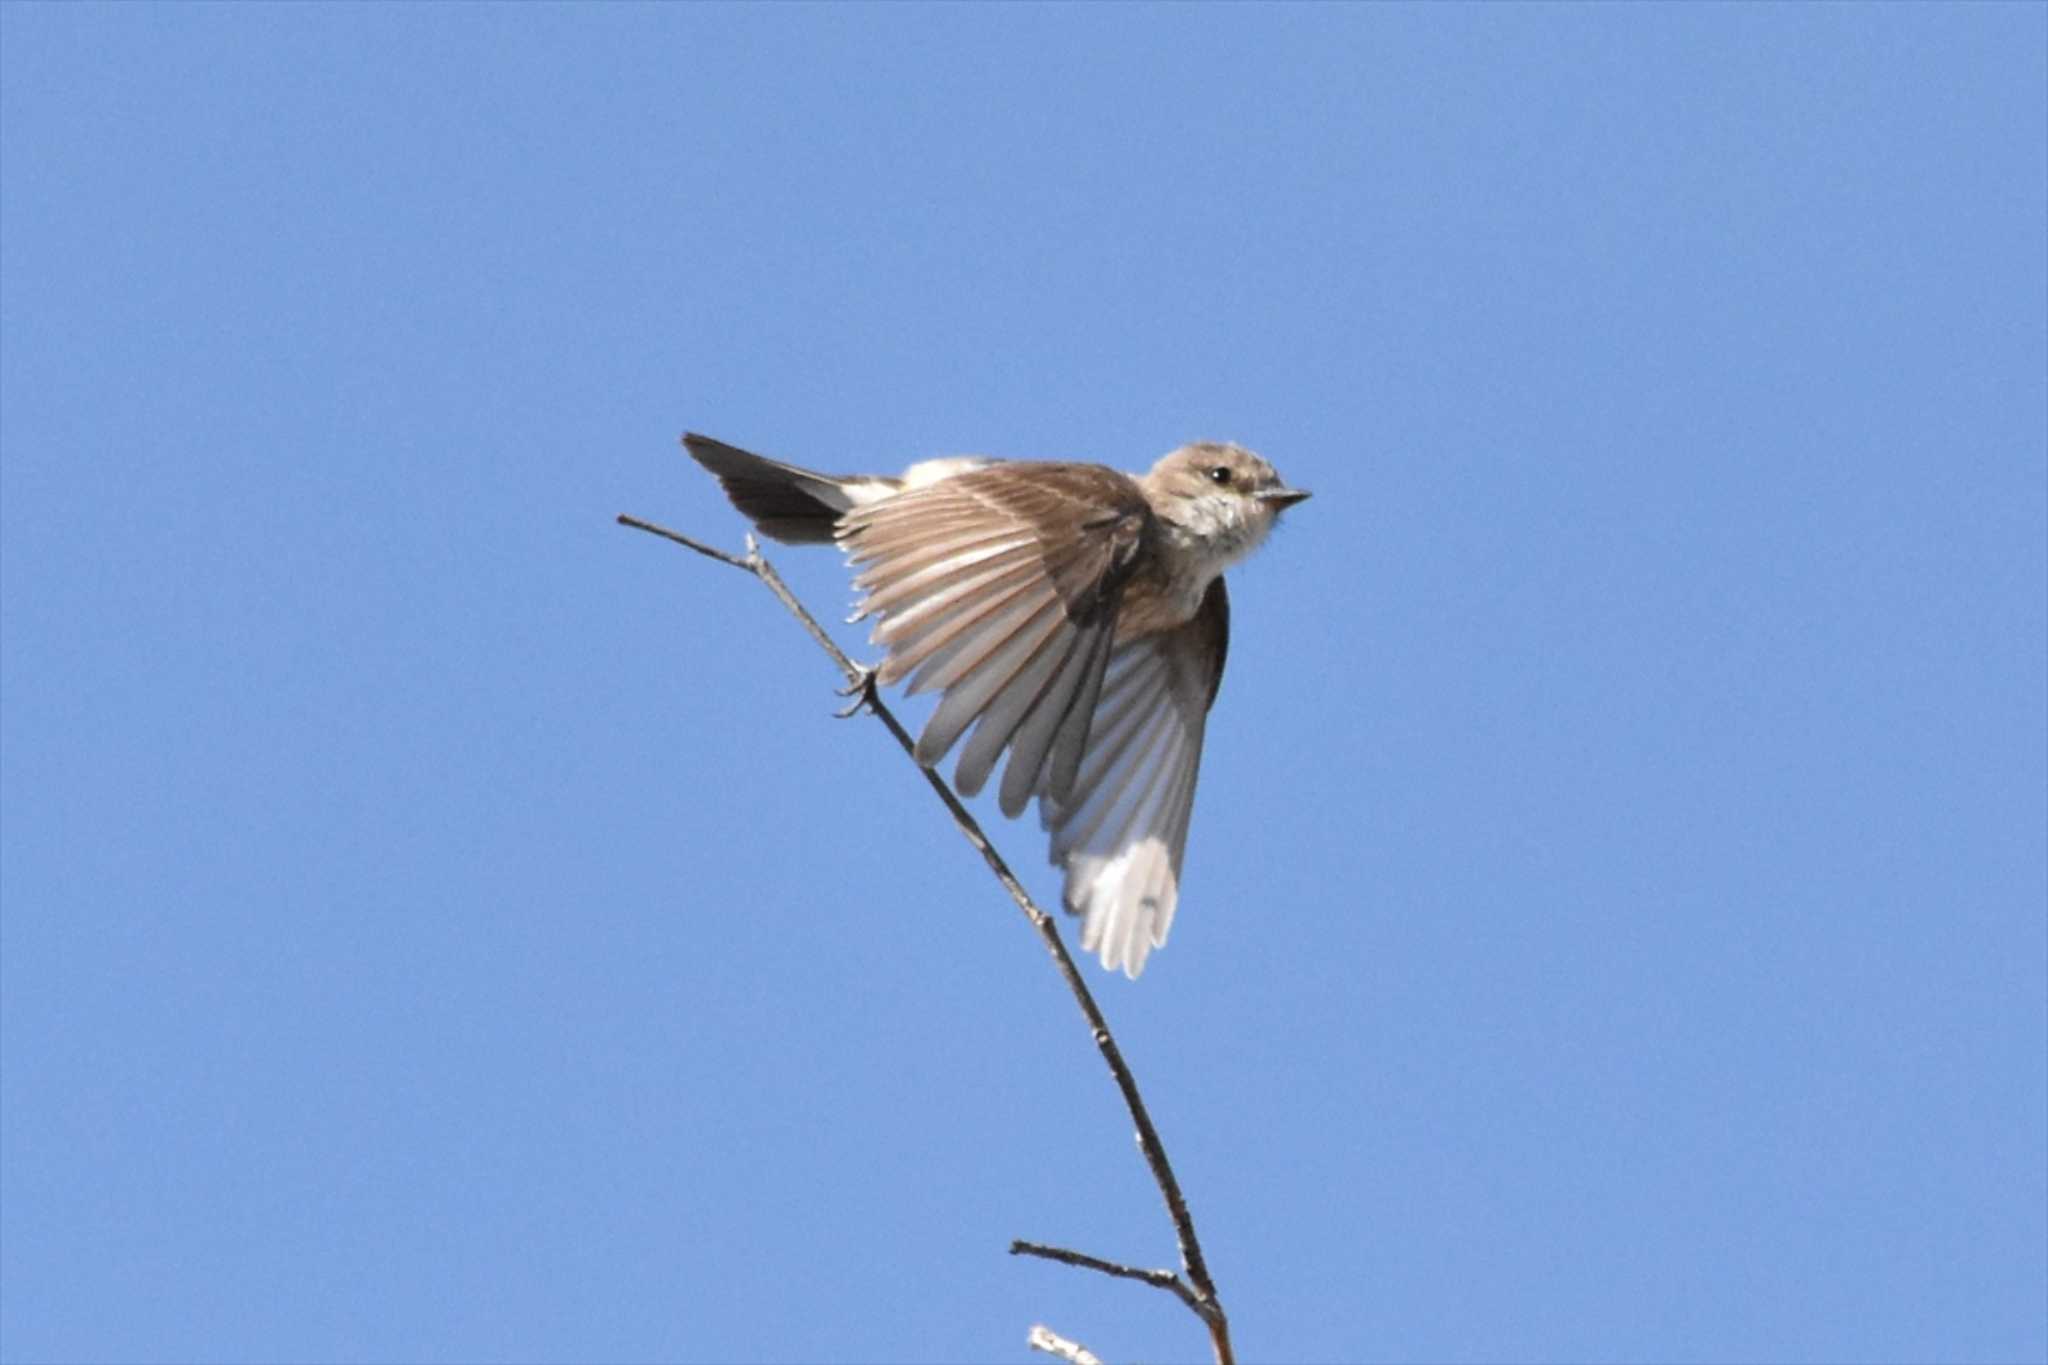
(1126, 902)
(792, 505)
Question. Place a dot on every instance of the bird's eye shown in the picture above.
(1219, 474)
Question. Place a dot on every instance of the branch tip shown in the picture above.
(1043, 1338)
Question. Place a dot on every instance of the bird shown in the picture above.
(1072, 615)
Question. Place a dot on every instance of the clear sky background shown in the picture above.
(440, 925)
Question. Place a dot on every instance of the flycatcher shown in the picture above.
(1073, 616)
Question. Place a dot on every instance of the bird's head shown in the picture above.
(1219, 499)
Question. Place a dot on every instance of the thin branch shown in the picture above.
(1197, 1290)
(1158, 1279)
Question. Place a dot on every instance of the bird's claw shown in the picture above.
(862, 690)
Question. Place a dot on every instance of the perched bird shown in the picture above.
(1073, 616)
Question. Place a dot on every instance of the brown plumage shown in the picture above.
(1070, 616)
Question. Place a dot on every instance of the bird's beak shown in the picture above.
(1282, 497)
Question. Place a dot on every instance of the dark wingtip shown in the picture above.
(707, 449)
(778, 498)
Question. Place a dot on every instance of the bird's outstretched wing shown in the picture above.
(1000, 588)
(1121, 827)
(1020, 596)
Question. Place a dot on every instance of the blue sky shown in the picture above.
(441, 926)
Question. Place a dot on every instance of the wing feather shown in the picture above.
(1070, 744)
(999, 587)
(1121, 831)
(1005, 713)
(980, 621)
(954, 567)
(1061, 714)
(1112, 763)
(975, 685)
(957, 639)
(912, 558)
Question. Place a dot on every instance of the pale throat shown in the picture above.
(1205, 536)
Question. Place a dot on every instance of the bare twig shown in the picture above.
(1158, 1279)
(1043, 1338)
(1193, 1285)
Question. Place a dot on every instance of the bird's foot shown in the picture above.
(862, 690)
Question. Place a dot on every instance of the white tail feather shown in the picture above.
(1126, 903)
